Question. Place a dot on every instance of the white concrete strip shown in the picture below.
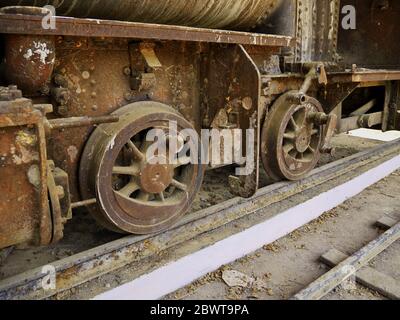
(375, 134)
(180, 273)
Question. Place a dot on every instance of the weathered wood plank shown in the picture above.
(325, 284)
(367, 276)
(386, 222)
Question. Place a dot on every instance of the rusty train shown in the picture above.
(77, 98)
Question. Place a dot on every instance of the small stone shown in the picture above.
(235, 278)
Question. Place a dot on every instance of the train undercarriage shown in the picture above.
(77, 101)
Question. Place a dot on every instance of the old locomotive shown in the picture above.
(76, 100)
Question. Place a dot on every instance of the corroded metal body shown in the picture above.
(25, 215)
(288, 82)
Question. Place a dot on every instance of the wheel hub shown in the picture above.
(303, 139)
(156, 178)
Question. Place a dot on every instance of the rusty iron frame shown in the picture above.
(28, 24)
(229, 77)
(34, 117)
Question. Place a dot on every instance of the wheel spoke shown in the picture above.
(129, 189)
(145, 145)
(294, 124)
(294, 154)
(127, 171)
(311, 149)
(301, 118)
(289, 135)
(161, 196)
(179, 185)
(136, 152)
(314, 132)
(287, 148)
(143, 196)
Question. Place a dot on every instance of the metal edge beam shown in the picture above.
(27, 24)
(376, 76)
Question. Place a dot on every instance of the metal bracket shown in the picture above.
(59, 199)
(330, 122)
(147, 50)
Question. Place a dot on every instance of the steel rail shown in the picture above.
(340, 273)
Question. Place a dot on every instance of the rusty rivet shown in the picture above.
(45, 89)
(127, 71)
(86, 75)
(247, 103)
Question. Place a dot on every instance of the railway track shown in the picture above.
(145, 254)
(344, 267)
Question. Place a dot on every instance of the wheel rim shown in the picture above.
(290, 139)
(135, 195)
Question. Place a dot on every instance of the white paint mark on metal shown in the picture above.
(112, 143)
(72, 153)
(28, 54)
(41, 49)
(34, 175)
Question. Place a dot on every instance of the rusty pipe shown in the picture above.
(231, 14)
(357, 122)
(83, 203)
(75, 122)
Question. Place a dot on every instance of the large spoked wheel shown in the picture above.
(136, 193)
(291, 141)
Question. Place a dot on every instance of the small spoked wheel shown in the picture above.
(139, 189)
(291, 141)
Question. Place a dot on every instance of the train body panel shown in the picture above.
(96, 88)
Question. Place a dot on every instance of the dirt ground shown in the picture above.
(291, 263)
